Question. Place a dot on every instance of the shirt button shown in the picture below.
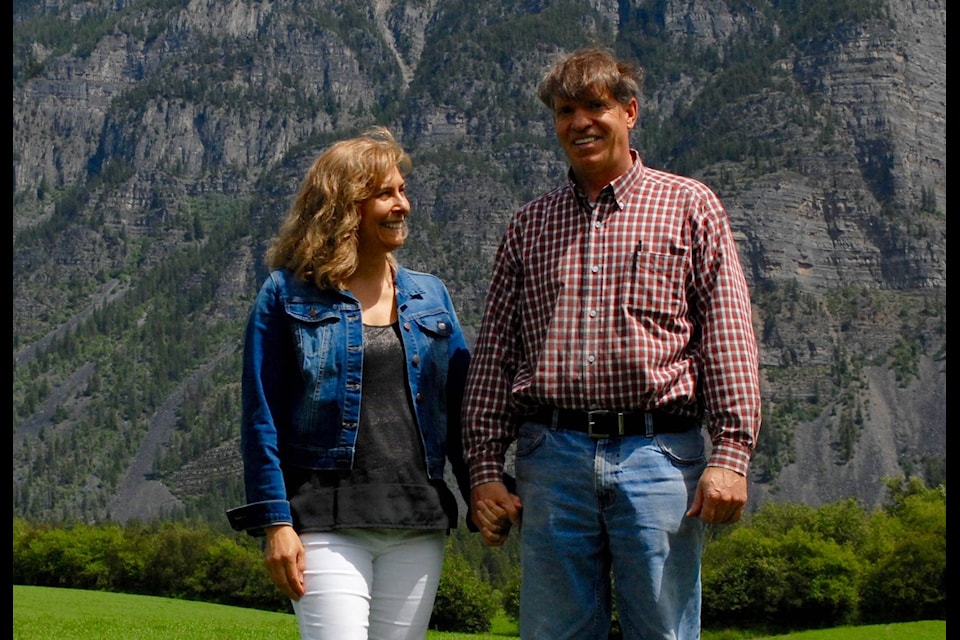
(595, 269)
(591, 359)
(596, 225)
(593, 313)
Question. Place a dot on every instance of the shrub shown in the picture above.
(910, 584)
(510, 598)
(795, 580)
(235, 575)
(907, 554)
(465, 603)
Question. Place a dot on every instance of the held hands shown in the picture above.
(721, 496)
(494, 510)
(284, 559)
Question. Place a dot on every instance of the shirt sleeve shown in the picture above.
(728, 348)
(488, 424)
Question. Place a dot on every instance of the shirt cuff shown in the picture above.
(483, 471)
(731, 456)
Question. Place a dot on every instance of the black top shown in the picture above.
(388, 486)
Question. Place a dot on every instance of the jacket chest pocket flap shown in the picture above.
(312, 325)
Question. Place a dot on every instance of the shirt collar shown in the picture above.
(625, 183)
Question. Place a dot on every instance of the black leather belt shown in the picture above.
(606, 424)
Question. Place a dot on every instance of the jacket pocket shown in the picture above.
(436, 324)
(311, 327)
(318, 335)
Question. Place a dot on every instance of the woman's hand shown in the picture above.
(284, 559)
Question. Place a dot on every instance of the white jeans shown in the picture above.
(369, 584)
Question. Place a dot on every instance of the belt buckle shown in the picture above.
(591, 422)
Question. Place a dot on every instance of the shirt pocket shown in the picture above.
(656, 283)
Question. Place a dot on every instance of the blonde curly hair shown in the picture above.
(318, 240)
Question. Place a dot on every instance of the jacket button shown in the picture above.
(441, 325)
(406, 325)
(419, 396)
(416, 360)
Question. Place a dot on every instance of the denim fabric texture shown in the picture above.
(596, 504)
(301, 384)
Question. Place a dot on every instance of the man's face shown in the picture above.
(595, 135)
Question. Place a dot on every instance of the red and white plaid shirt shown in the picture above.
(638, 304)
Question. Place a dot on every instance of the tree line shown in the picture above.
(783, 568)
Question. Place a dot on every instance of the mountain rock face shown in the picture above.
(157, 145)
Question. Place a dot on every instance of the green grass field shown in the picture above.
(42, 613)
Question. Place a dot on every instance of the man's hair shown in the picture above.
(588, 73)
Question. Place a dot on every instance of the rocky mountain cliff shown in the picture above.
(157, 144)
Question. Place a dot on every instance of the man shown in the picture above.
(616, 325)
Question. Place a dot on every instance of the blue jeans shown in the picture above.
(596, 508)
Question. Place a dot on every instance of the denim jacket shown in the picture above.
(301, 385)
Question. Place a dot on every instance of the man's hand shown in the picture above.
(721, 496)
(494, 510)
(285, 561)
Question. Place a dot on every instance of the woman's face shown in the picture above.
(383, 217)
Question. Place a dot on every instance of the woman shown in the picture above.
(353, 373)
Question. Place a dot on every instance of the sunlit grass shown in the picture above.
(42, 613)
(925, 630)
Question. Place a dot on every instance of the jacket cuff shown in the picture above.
(256, 516)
